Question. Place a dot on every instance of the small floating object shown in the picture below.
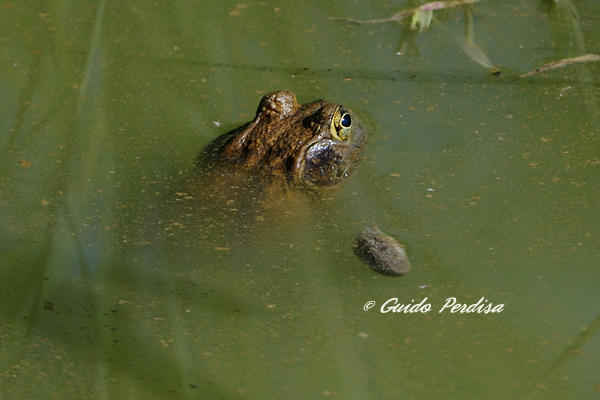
(381, 252)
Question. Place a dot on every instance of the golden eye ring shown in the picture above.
(341, 124)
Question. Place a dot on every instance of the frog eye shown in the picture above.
(341, 124)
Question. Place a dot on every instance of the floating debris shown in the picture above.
(562, 63)
(381, 252)
(421, 15)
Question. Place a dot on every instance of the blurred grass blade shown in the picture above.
(475, 52)
(469, 47)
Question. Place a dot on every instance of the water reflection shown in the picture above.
(228, 212)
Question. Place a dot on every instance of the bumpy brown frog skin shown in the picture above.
(317, 144)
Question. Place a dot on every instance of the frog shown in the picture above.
(316, 145)
(276, 170)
